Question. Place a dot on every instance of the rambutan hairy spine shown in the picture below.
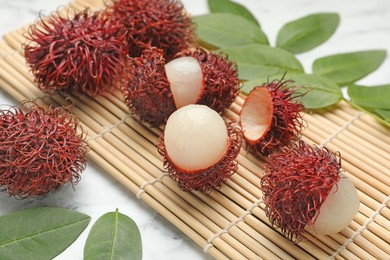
(40, 149)
(82, 52)
(297, 181)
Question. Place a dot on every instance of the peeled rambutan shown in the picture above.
(220, 84)
(40, 150)
(271, 117)
(304, 188)
(199, 149)
(80, 53)
(153, 23)
(153, 89)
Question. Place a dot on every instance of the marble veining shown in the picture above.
(364, 26)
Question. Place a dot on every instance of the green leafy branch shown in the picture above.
(233, 29)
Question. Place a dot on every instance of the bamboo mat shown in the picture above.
(229, 223)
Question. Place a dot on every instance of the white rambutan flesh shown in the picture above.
(338, 209)
(185, 77)
(195, 137)
(256, 114)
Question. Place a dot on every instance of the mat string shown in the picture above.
(341, 129)
(361, 229)
(230, 225)
(108, 129)
(152, 182)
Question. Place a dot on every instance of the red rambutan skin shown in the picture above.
(40, 150)
(287, 122)
(209, 179)
(146, 88)
(82, 53)
(153, 23)
(297, 181)
(220, 79)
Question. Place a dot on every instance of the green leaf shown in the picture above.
(375, 97)
(256, 61)
(349, 67)
(113, 236)
(39, 233)
(226, 6)
(384, 113)
(227, 30)
(308, 32)
(318, 92)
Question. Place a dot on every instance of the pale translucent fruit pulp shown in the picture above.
(256, 114)
(186, 80)
(195, 137)
(338, 209)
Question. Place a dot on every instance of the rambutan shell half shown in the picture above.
(276, 122)
(256, 114)
(200, 158)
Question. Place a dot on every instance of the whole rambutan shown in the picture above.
(199, 149)
(146, 88)
(40, 150)
(271, 117)
(153, 23)
(79, 53)
(153, 89)
(304, 187)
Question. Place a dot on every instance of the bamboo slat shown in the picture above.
(231, 222)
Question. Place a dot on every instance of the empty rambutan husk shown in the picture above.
(303, 187)
(40, 149)
(215, 173)
(83, 52)
(271, 117)
(153, 23)
(150, 92)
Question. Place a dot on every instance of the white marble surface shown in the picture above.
(364, 25)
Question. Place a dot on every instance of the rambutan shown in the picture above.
(80, 53)
(146, 88)
(40, 150)
(199, 149)
(153, 23)
(153, 89)
(220, 83)
(304, 187)
(271, 117)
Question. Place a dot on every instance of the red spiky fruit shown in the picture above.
(271, 117)
(79, 53)
(153, 89)
(153, 23)
(145, 87)
(199, 149)
(40, 150)
(304, 187)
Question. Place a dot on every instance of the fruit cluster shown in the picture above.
(147, 50)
